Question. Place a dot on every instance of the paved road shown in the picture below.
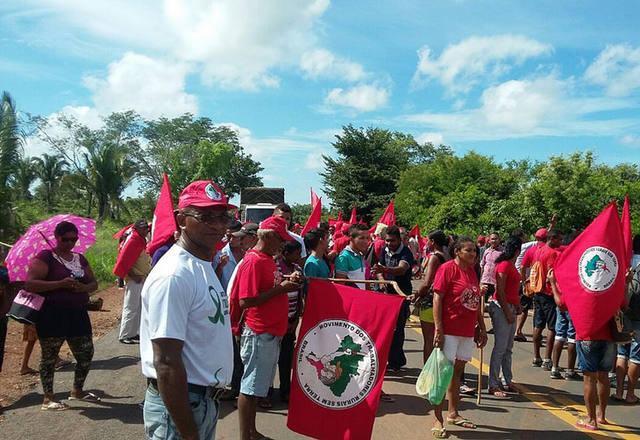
(546, 411)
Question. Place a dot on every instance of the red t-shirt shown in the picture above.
(341, 243)
(547, 257)
(461, 295)
(512, 283)
(259, 273)
(527, 260)
(378, 244)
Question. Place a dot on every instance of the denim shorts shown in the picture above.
(159, 426)
(631, 351)
(259, 353)
(564, 327)
(595, 356)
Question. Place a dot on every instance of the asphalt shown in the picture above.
(547, 410)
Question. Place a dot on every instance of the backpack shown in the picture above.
(537, 277)
(633, 296)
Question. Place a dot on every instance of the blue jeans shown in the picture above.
(564, 327)
(159, 426)
(259, 353)
(397, 358)
(595, 356)
(501, 354)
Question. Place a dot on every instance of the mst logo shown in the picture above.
(598, 268)
(212, 192)
(337, 364)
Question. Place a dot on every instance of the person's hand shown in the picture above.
(377, 268)
(481, 338)
(413, 298)
(289, 286)
(438, 339)
(484, 289)
(510, 318)
(551, 277)
(297, 277)
(519, 311)
(69, 283)
(224, 259)
(553, 219)
(628, 276)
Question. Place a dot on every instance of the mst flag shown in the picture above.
(353, 220)
(626, 231)
(314, 218)
(164, 222)
(591, 271)
(340, 361)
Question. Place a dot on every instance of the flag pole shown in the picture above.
(479, 398)
(393, 284)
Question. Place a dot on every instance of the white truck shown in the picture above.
(257, 203)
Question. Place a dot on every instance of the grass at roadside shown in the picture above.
(102, 255)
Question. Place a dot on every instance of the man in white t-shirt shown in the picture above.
(185, 332)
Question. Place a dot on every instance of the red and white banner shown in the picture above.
(340, 361)
(591, 272)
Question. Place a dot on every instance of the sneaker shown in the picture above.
(572, 375)
(127, 341)
(537, 362)
(555, 374)
(136, 338)
(547, 365)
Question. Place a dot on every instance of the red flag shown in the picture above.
(121, 232)
(314, 219)
(626, 231)
(164, 222)
(388, 217)
(415, 232)
(314, 198)
(590, 274)
(339, 219)
(132, 247)
(332, 221)
(340, 361)
(353, 220)
(236, 215)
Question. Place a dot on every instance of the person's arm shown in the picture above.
(501, 282)
(36, 282)
(91, 284)
(438, 307)
(557, 294)
(172, 384)
(400, 269)
(431, 267)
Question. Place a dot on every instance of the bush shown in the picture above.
(102, 255)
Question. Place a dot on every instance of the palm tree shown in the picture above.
(50, 169)
(23, 176)
(10, 154)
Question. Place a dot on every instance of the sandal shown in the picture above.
(617, 399)
(582, 424)
(439, 432)
(462, 422)
(88, 397)
(29, 371)
(498, 393)
(520, 338)
(467, 391)
(54, 406)
(265, 403)
(512, 389)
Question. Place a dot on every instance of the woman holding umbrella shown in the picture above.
(64, 279)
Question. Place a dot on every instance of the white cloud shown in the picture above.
(461, 66)
(314, 161)
(319, 63)
(430, 138)
(617, 68)
(631, 140)
(363, 97)
(151, 87)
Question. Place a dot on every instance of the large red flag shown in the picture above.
(340, 361)
(353, 220)
(626, 231)
(164, 222)
(590, 273)
(314, 198)
(131, 249)
(415, 232)
(339, 219)
(388, 216)
(314, 219)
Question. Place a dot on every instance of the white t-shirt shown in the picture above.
(299, 239)
(523, 249)
(183, 299)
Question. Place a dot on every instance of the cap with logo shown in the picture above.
(247, 229)
(202, 194)
(541, 234)
(279, 225)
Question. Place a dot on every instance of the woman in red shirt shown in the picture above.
(503, 309)
(456, 311)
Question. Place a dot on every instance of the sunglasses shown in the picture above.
(221, 219)
(69, 240)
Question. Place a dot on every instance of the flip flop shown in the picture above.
(512, 389)
(265, 403)
(582, 424)
(29, 371)
(467, 391)
(520, 338)
(498, 393)
(464, 423)
(54, 406)
(634, 402)
(439, 433)
(89, 397)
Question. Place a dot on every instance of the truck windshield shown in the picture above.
(257, 214)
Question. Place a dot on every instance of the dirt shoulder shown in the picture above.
(12, 384)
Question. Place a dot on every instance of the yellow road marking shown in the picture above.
(561, 413)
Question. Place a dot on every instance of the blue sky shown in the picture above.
(511, 79)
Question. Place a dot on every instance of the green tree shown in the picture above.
(188, 149)
(23, 177)
(368, 166)
(50, 169)
(10, 154)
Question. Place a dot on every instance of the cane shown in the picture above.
(479, 398)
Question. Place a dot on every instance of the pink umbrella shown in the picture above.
(40, 237)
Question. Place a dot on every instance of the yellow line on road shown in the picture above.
(544, 402)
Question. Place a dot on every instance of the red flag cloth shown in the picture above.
(339, 219)
(236, 215)
(626, 231)
(331, 221)
(121, 232)
(388, 217)
(415, 232)
(132, 247)
(164, 222)
(340, 361)
(353, 220)
(314, 219)
(314, 198)
(591, 275)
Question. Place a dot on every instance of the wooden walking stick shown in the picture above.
(479, 398)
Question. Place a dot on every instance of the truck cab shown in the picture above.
(258, 203)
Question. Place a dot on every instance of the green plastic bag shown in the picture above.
(435, 376)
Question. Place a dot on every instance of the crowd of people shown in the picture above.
(216, 308)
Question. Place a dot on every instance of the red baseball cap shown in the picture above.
(203, 193)
(279, 225)
(481, 238)
(541, 233)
